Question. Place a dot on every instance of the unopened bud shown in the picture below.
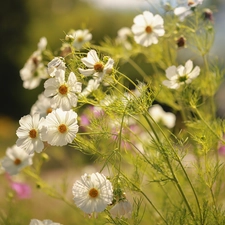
(207, 15)
(181, 41)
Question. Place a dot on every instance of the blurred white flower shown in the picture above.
(42, 44)
(180, 75)
(183, 11)
(122, 37)
(28, 133)
(63, 93)
(92, 193)
(60, 127)
(56, 64)
(147, 28)
(42, 106)
(159, 115)
(15, 160)
(121, 209)
(91, 86)
(80, 38)
(96, 67)
(34, 70)
(44, 222)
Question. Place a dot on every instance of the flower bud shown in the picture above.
(181, 41)
(207, 15)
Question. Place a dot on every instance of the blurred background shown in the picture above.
(24, 22)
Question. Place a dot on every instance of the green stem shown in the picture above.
(172, 171)
(139, 70)
(203, 120)
(146, 197)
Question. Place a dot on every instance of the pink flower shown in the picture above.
(22, 190)
(221, 150)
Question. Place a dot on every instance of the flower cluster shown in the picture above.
(140, 127)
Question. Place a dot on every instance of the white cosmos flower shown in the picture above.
(15, 160)
(29, 133)
(122, 37)
(56, 64)
(91, 86)
(180, 75)
(81, 37)
(60, 127)
(42, 106)
(122, 209)
(44, 222)
(147, 28)
(96, 67)
(159, 115)
(34, 70)
(183, 11)
(63, 93)
(92, 193)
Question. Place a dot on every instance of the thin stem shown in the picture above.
(172, 171)
(138, 68)
(146, 197)
(203, 120)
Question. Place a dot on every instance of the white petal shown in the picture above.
(86, 72)
(188, 67)
(194, 73)
(171, 72)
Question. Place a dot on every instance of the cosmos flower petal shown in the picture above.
(195, 72)
(188, 66)
(86, 72)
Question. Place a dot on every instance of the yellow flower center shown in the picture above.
(63, 89)
(49, 110)
(148, 29)
(17, 161)
(98, 67)
(190, 2)
(35, 61)
(80, 39)
(33, 133)
(62, 128)
(93, 193)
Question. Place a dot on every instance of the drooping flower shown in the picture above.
(60, 127)
(42, 106)
(91, 86)
(81, 37)
(56, 64)
(147, 28)
(15, 160)
(34, 70)
(92, 193)
(97, 68)
(63, 93)
(181, 75)
(28, 133)
(44, 222)
(183, 11)
(159, 115)
(121, 209)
